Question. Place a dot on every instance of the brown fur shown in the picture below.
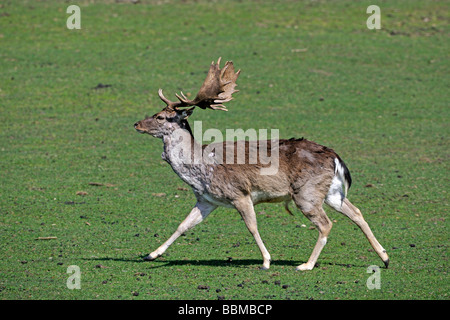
(295, 170)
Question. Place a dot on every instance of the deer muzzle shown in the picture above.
(138, 127)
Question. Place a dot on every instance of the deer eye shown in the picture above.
(160, 118)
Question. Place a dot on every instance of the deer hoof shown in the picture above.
(150, 257)
(304, 267)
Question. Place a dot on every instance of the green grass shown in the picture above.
(311, 69)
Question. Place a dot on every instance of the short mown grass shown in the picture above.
(73, 167)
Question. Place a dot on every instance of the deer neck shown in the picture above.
(183, 153)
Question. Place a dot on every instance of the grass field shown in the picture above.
(73, 167)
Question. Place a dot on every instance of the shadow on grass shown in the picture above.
(219, 263)
(162, 262)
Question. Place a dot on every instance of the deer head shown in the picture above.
(217, 89)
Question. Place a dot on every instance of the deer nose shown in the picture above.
(136, 124)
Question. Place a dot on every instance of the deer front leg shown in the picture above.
(198, 213)
(245, 208)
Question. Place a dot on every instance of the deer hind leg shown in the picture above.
(310, 203)
(198, 213)
(352, 212)
(323, 224)
(245, 208)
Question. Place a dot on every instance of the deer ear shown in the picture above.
(185, 113)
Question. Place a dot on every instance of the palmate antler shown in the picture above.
(217, 89)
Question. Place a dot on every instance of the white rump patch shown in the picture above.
(337, 192)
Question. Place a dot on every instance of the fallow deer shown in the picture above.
(307, 173)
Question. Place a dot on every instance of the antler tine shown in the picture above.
(171, 105)
(182, 94)
(218, 107)
(182, 98)
(162, 97)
